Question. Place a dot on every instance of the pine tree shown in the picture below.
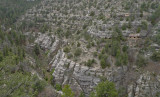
(36, 49)
(105, 89)
(1, 56)
(67, 92)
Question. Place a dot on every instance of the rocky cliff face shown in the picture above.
(146, 85)
(129, 80)
(82, 78)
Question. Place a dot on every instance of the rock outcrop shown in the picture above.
(82, 78)
(47, 42)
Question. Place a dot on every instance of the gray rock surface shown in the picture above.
(82, 78)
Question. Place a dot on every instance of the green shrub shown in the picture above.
(37, 49)
(118, 62)
(115, 47)
(87, 36)
(154, 5)
(58, 87)
(156, 38)
(52, 71)
(156, 56)
(104, 63)
(77, 52)
(69, 56)
(124, 27)
(67, 34)
(82, 94)
(121, 58)
(138, 29)
(105, 89)
(39, 86)
(101, 16)
(144, 25)
(89, 45)
(125, 48)
(67, 91)
(92, 13)
(141, 61)
(66, 50)
(95, 54)
(84, 26)
(89, 63)
(102, 56)
(78, 44)
(1, 56)
(155, 16)
(144, 6)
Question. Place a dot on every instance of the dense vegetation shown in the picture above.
(16, 79)
(15, 71)
(67, 92)
(11, 10)
(155, 16)
(105, 89)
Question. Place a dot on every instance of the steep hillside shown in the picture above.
(85, 44)
(18, 76)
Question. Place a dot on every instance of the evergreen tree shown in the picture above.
(105, 89)
(1, 56)
(36, 49)
(67, 92)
